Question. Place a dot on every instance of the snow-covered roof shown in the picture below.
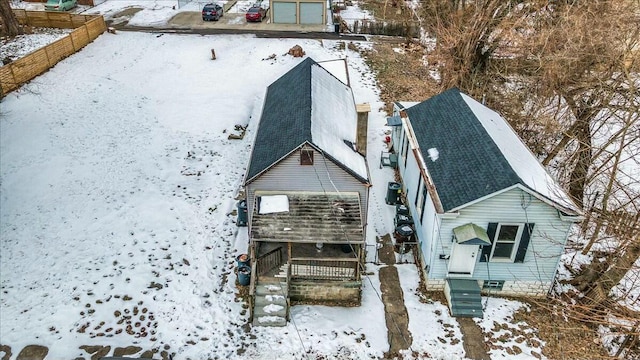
(474, 153)
(521, 159)
(333, 120)
(308, 104)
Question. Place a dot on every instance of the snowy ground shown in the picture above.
(117, 191)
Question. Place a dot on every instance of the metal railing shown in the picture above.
(269, 261)
(329, 269)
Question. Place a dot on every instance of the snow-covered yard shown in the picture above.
(118, 185)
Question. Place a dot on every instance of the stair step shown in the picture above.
(466, 312)
(270, 310)
(269, 320)
(270, 306)
(457, 307)
(264, 300)
(466, 303)
(465, 296)
(460, 285)
(271, 289)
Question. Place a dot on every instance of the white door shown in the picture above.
(311, 13)
(284, 13)
(463, 259)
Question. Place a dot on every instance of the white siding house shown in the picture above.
(486, 214)
(306, 156)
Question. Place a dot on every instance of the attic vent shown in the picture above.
(306, 156)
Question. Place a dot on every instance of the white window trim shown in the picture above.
(516, 243)
(420, 198)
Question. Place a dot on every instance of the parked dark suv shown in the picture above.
(211, 12)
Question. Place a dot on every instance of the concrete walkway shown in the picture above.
(396, 316)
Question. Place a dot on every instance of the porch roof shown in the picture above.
(312, 218)
(471, 234)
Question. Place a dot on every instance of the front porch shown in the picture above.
(307, 260)
(312, 251)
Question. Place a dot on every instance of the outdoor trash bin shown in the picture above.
(402, 209)
(244, 275)
(242, 213)
(403, 234)
(403, 220)
(393, 193)
(243, 260)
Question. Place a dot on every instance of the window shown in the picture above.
(419, 189)
(423, 200)
(493, 284)
(306, 157)
(420, 198)
(505, 241)
(509, 242)
(405, 150)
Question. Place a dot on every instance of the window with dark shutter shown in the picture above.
(524, 242)
(306, 157)
(509, 242)
(486, 250)
(505, 241)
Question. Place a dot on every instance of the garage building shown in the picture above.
(298, 11)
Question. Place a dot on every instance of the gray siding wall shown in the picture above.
(545, 246)
(322, 176)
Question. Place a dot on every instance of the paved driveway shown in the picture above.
(193, 20)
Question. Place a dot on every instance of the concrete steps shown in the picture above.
(463, 298)
(271, 305)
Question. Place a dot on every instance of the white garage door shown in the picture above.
(311, 13)
(284, 12)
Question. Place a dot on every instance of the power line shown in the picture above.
(361, 266)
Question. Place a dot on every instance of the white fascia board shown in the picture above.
(449, 215)
(570, 218)
(415, 149)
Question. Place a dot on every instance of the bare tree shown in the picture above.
(566, 75)
(10, 26)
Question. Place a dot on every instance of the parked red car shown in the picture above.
(255, 13)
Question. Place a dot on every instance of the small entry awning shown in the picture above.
(471, 234)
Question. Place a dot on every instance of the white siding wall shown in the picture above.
(547, 241)
(532, 277)
(322, 176)
(427, 230)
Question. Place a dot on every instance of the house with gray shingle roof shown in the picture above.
(307, 190)
(487, 216)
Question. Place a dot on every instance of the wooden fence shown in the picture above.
(87, 28)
